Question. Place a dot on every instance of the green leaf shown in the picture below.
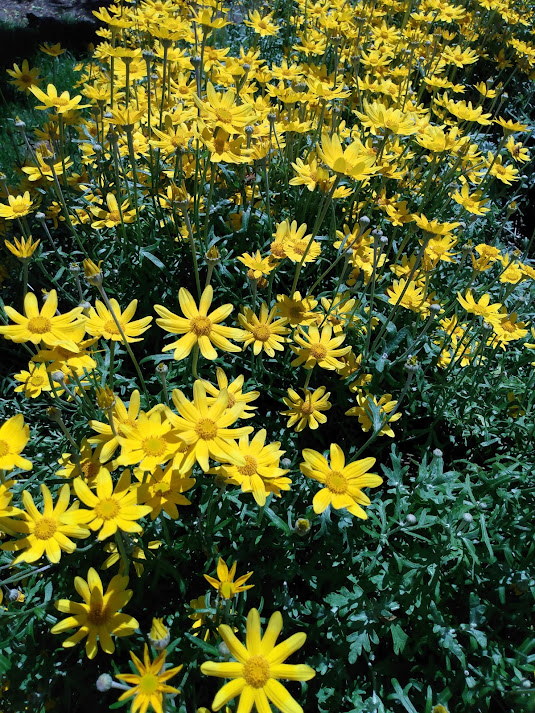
(204, 645)
(399, 637)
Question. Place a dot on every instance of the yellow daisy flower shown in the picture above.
(107, 436)
(306, 410)
(43, 326)
(163, 490)
(14, 435)
(258, 666)
(48, 532)
(261, 474)
(18, 206)
(363, 410)
(343, 483)
(322, 349)
(150, 442)
(112, 508)
(198, 327)
(98, 617)
(205, 429)
(297, 309)
(225, 584)
(235, 394)
(262, 332)
(23, 249)
(101, 323)
(86, 464)
(150, 681)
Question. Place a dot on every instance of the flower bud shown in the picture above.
(302, 526)
(93, 273)
(159, 636)
(411, 519)
(105, 397)
(104, 682)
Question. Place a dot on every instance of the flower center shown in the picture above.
(112, 328)
(201, 326)
(296, 312)
(261, 333)
(508, 327)
(107, 508)
(249, 468)
(115, 216)
(153, 446)
(39, 325)
(256, 671)
(227, 590)
(206, 429)
(20, 206)
(223, 114)
(61, 101)
(307, 406)
(98, 615)
(37, 380)
(4, 449)
(318, 351)
(90, 469)
(148, 684)
(45, 528)
(336, 482)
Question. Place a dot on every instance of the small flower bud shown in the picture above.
(104, 682)
(54, 414)
(468, 517)
(105, 397)
(286, 463)
(411, 519)
(159, 636)
(14, 595)
(212, 256)
(224, 650)
(302, 526)
(58, 376)
(162, 368)
(75, 268)
(93, 273)
(438, 453)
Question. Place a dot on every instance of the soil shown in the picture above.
(21, 13)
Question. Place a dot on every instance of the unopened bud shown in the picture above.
(104, 682)
(302, 526)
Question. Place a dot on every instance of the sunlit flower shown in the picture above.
(225, 584)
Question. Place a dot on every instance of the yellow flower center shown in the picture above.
(19, 206)
(206, 429)
(161, 488)
(112, 328)
(26, 78)
(223, 115)
(98, 615)
(90, 469)
(307, 407)
(37, 380)
(201, 326)
(318, 351)
(115, 216)
(256, 671)
(227, 590)
(249, 468)
(4, 449)
(336, 482)
(508, 327)
(61, 101)
(296, 312)
(262, 333)
(153, 446)
(39, 325)
(148, 684)
(45, 528)
(107, 508)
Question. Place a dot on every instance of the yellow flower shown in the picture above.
(44, 326)
(205, 429)
(163, 490)
(482, 308)
(260, 475)
(18, 206)
(149, 683)
(23, 249)
(198, 327)
(85, 464)
(353, 161)
(98, 617)
(112, 508)
(296, 309)
(262, 332)
(101, 323)
(48, 532)
(473, 203)
(222, 112)
(52, 50)
(159, 636)
(150, 441)
(322, 349)
(235, 395)
(258, 667)
(306, 410)
(107, 438)
(14, 435)
(24, 77)
(363, 410)
(343, 483)
(411, 296)
(380, 119)
(62, 103)
(263, 26)
(6, 509)
(114, 215)
(35, 381)
(258, 265)
(225, 584)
